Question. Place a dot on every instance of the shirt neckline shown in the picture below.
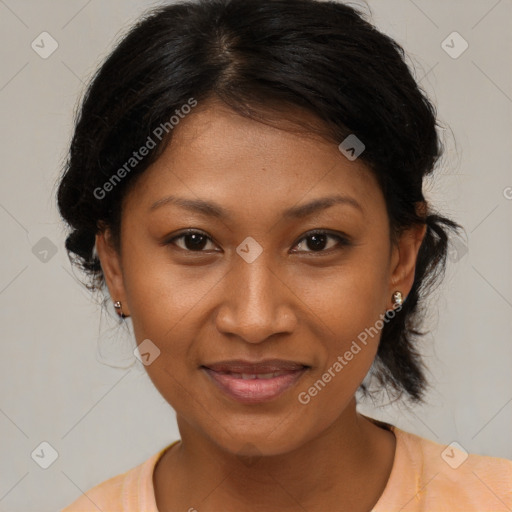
(384, 503)
(147, 495)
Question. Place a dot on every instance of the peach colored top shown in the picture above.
(425, 477)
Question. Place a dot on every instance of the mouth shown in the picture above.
(252, 383)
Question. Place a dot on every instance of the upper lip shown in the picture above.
(251, 367)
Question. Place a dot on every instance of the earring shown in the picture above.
(397, 299)
(119, 309)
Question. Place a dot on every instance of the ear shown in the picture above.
(403, 260)
(110, 261)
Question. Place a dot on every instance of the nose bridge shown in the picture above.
(254, 308)
(257, 283)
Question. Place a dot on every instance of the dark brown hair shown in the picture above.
(323, 57)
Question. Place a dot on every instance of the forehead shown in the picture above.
(217, 153)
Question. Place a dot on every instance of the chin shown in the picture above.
(267, 440)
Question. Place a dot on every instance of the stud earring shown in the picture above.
(397, 299)
(119, 309)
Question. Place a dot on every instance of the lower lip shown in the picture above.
(253, 391)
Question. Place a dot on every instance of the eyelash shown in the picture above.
(342, 241)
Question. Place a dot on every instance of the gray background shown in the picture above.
(68, 372)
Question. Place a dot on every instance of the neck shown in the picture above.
(346, 467)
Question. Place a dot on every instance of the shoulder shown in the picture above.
(122, 493)
(453, 460)
(105, 496)
(447, 477)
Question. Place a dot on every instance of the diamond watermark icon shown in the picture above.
(249, 249)
(146, 352)
(44, 45)
(44, 455)
(44, 250)
(456, 250)
(351, 147)
(454, 45)
(454, 455)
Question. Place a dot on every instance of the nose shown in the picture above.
(257, 303)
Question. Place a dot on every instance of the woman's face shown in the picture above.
(252, 283)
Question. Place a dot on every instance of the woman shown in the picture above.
(246, 178)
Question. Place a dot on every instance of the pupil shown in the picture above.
(197, 243)
(318, 242)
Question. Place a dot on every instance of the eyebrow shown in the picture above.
(215, 210)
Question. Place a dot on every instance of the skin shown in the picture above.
(291, 303)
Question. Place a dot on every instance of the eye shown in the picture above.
(193, 240)
(318, 241)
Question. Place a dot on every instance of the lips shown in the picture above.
(251, 382)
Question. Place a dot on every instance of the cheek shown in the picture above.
(163, 295)
(347, 298)
(347, 357)
(167, 306)
(350, 304)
